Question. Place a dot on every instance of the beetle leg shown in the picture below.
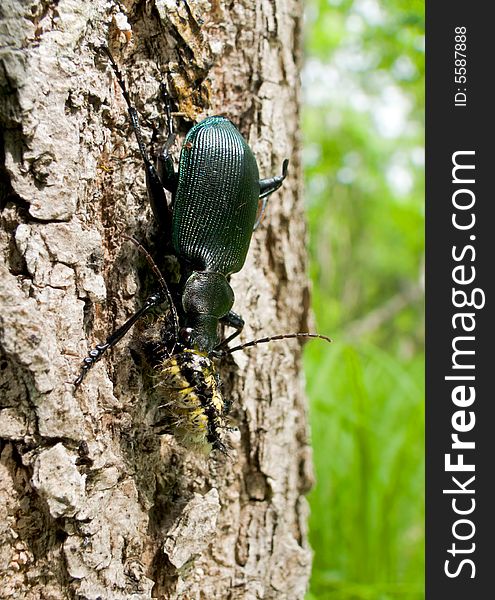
(234, 320)
(165, 163)
(267, 187)
(270, 185)
(97, 352)
(165, 168)
(167, 176)
(154, 183)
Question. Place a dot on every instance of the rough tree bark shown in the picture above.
(93, 504)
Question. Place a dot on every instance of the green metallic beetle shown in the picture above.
(214, 209)
(217, 201)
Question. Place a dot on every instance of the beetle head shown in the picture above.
(201, 333)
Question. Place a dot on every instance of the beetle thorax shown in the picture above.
(206, 298)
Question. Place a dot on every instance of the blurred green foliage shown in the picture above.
(364, 136)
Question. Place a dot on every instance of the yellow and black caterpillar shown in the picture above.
(190, 385)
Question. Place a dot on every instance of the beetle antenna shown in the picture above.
(161, 279)
(272, 338)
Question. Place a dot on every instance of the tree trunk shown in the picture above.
(93, 503)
